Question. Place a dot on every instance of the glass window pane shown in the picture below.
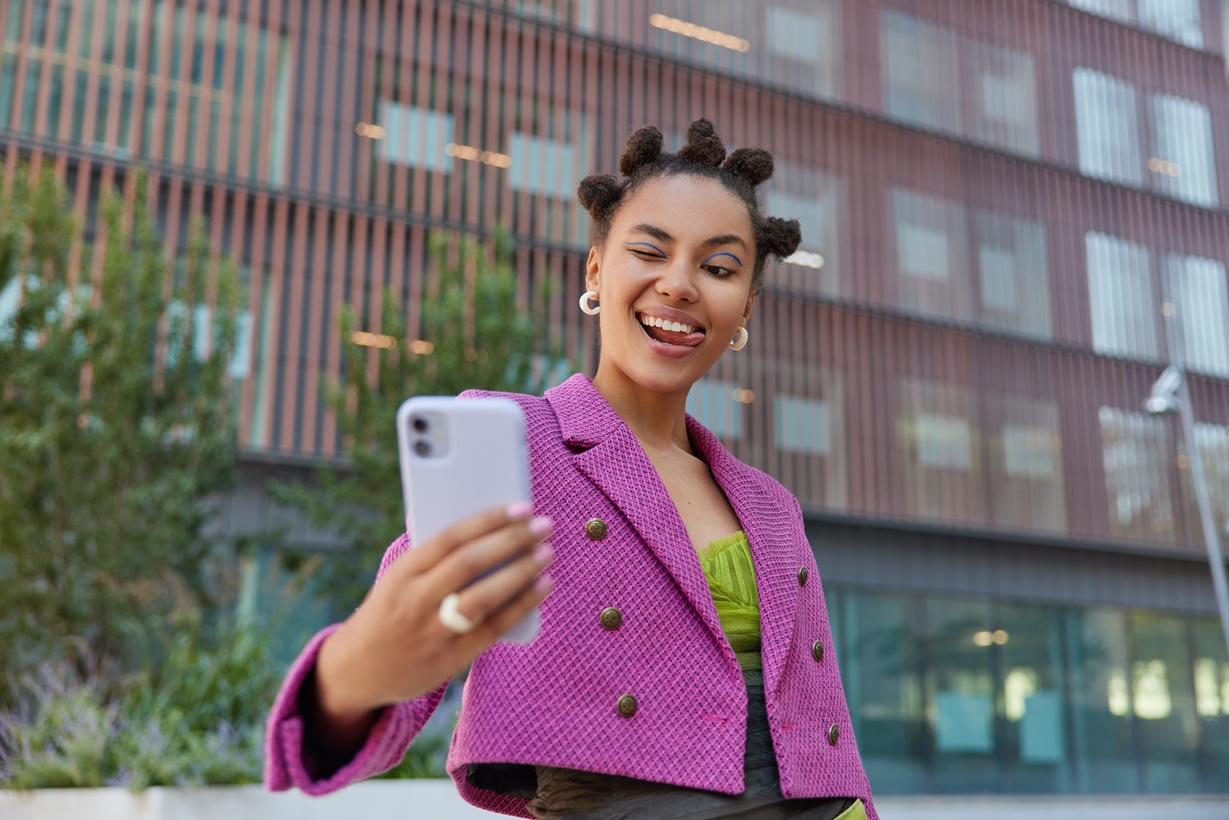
(1101, 721)
(921, 72)
(960, 695)
(1122, 10)
(1120, 297)
(1026, 464)
(1005, 90)
(1032, 698)
(712, 402)
(814, 199)
(1107, 127)
(1211, 674)
(809, 432)
(879, 669)
(804, 47)
(801, 424)
(1176, 19)
(416, 137)
(1134, 452)
(1198, 291)
(936, 436)
(1013, 274)
(932, 255)
(1163, 695)
(1183, 164)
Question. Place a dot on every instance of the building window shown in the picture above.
(801, 424)
(1197, 290)
(1121, 10)
(937, 79)
(1183, 164)
(1177, 20)
(944, 442)
(939, 450)
(1026, 463)
(813, 198)
(1013, 274)
(542, 166)
(805, 38)
(1005, 90)
(1107, 127)
(921, 72)
(1134, 453)
(1213, 443)
(932, 255)
(1121, 301)
(415, 137)
(712, 402)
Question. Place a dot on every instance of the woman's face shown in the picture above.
(680, 251)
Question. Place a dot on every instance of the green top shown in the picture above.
(730, 573)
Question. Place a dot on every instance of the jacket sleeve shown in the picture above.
(287, 763)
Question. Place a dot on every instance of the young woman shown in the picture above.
(684, 666)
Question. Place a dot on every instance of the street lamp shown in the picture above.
(1170, 395)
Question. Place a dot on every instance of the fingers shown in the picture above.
(461, 566)
(480, 600)
(429, 553)
(499, 623)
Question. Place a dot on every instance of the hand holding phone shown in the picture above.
(459, 457)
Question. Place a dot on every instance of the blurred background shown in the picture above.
(1011, 224)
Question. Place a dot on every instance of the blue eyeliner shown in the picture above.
(651, 245)
(723, 253)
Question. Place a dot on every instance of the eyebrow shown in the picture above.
(659, 234)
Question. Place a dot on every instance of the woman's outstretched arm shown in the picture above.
(361, 690)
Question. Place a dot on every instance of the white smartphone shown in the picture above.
(459, 458)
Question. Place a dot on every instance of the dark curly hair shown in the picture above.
(703, 156)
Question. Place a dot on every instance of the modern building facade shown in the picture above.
(1013, 217)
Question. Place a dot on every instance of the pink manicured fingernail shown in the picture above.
(540, 525)
(544, 583)
(521, 509)
(544, 553)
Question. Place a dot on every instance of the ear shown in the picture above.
(593, 265)
(747, 309)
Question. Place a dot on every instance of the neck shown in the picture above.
(658, 420)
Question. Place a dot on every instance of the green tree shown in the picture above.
(478, 334)
(115, 424)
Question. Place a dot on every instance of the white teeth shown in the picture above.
(665, 324)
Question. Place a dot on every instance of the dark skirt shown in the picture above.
(577, 795)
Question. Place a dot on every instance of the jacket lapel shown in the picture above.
(617, 465)
(769, 528)
(613, 460)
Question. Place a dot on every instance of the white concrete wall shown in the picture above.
(438, 800)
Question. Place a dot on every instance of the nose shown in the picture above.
(676, 282)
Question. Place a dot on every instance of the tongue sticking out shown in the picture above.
(672, 337)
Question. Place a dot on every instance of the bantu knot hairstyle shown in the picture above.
(704, 156)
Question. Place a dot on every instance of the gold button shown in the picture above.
(612, 618)
(834, 734)
(627, 706)
(595, 528)
(817, 651)
(802, 577)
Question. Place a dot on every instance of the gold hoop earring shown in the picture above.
(740, 339)
(585, 298)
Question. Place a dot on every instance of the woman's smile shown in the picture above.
(671, 331)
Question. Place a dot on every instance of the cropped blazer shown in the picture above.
(555, 701)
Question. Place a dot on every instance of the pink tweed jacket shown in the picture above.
(552, 702)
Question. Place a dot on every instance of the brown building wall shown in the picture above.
(246, 114)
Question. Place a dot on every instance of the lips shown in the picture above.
(670, 332)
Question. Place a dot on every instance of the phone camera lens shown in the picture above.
(420, 424)
(422, 446)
